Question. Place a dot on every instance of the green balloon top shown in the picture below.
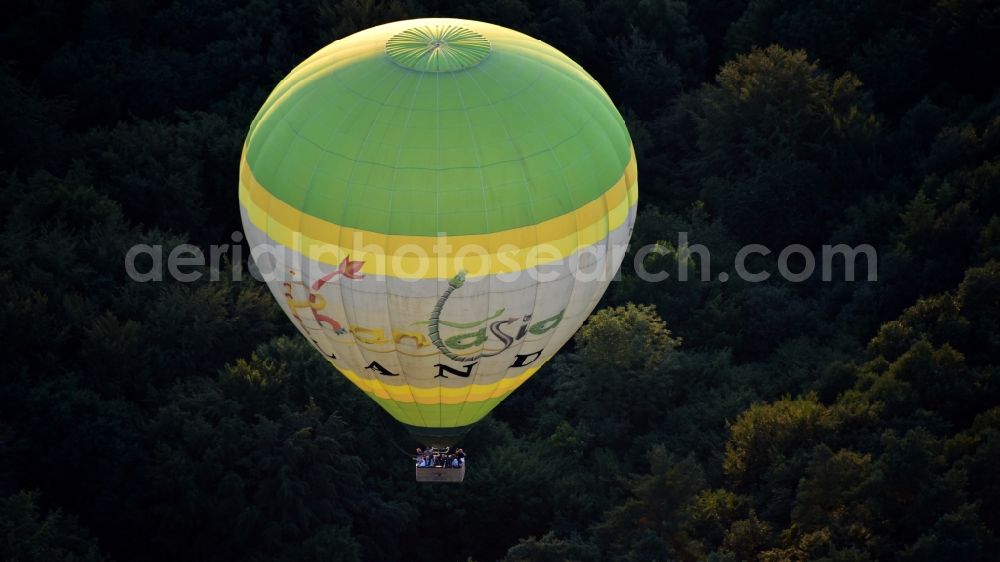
(437, 125)
(432, 48)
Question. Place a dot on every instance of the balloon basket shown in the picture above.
(441, 474)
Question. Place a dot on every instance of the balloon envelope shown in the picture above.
(437, 205)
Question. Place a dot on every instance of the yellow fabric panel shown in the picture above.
(438, 395)
(396, 256)
(438, 415)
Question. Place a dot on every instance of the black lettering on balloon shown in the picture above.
(374, 366)
(522, 360)
(461, 373)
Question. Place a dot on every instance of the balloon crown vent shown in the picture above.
(437, 48)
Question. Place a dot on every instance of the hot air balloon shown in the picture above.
(438, 205)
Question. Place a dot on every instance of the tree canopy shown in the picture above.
(841, 421)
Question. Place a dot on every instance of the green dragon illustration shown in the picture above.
(454, 283)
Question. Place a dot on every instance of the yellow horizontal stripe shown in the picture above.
(437, 395)
(438, 415)
(419, 257)
(326, 232)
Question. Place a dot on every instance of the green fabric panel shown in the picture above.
(438, 415)
(514, 140)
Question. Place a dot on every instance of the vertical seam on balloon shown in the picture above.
(576, 231)
(484, 405)
(395, 169)
(305, 253)
(288, 253)
(361, 350)
(600, 96)
(482, 185)
(520, 159)
(631, 180)
(537, 240)
(347, 315)
(437, 198)
(527, 189)
(341, 292)
(472, 77)
(608, 256)
(607, 236)
(388, 296)
(476, 151)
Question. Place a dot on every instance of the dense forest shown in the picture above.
(773, 421)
